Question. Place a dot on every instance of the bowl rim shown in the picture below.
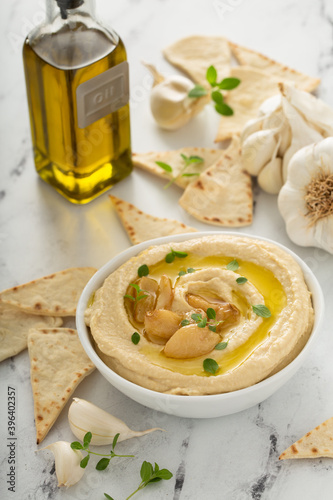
(98, 278)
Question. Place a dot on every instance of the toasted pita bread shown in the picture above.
(58, 364)
(256, 86)
(147, 161)
(316, 443)
(279, 71)
(142, 227)
(53, 295)
(14, 328)
(195, 54)
(222, 195)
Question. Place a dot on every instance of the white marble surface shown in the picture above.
(233, 457)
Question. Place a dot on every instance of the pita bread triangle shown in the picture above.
(58, 363)
(53, 295)
(14, 328)
(256, 86)
(147, 161)
(279, 71)
(316, 443)
(194, 54)
(222, 195)
(142, 227)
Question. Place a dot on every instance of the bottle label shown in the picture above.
(102, 95)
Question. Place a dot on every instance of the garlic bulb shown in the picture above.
(85, 417)
(169, 102)
(295, 119)
(67, 463)
(306, 199)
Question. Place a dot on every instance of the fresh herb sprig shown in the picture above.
(202, 322)
(149, 474)
(103, 462)
(226, 84)
(170, 257)
(189, 160)
(139, 294)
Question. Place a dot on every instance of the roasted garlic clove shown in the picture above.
(191, 341)
(165, 293)
(161, 324)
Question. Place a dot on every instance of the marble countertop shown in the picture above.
(233, 457)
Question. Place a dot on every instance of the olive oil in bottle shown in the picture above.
(77, 87)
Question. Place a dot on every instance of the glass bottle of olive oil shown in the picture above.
(77, 86)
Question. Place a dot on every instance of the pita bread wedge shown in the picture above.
(194, 54)
(147, 161)
(14, 328)
(58, 363)
(256, 86)
(316, 443)
(142, 227)
(53, 295)
(279, 71)
(222, 195)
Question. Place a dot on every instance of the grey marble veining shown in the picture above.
(230, 458)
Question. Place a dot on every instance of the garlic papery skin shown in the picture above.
(84, 417)
(67, 463)
(306, 199)
(257, 150)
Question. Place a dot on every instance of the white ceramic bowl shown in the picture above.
(208, 406)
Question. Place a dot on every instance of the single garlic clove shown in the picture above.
(67, 463)
(270, 177)
(286, 137)
(85, 417)
(270, 105)
(257, 150)
(250, 128)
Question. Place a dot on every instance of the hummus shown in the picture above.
(224, 314)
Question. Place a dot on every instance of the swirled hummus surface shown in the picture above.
(222, 314)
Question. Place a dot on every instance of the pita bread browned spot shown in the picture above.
(256, 86)
(315, 443)
(58, 363)
(194, 54)
(222, 195)
(147, 161)
(53, 295)
(14, 328)
(142, 227)
(279, 71)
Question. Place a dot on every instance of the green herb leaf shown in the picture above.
(212, 328)
(185, 322)
(241, 280)
(190, 174)
(129, 297)
(134, 285)
(76, 445)
(108, 496)
(211, 313)
(163, 165)
(185, 158)
(86, 440)
(233, 265)
(210, 366)
(170, 257)
(224, 109)
(164, 474)
(146, 471)
(262, 310)
(211, 76)
(197, 91)
(135, 338)
(140, 297)
(181, 273)
(191, 270)
(197, 317)
(103, 463)
(217, 97)
(202, 323)
(115, 439)
(180, 255)
(84, 462)
(221, 345)
(143, 270)
(229, 83)
(195, 159)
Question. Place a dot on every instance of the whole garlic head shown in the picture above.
(169, 102)
(306, 199)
